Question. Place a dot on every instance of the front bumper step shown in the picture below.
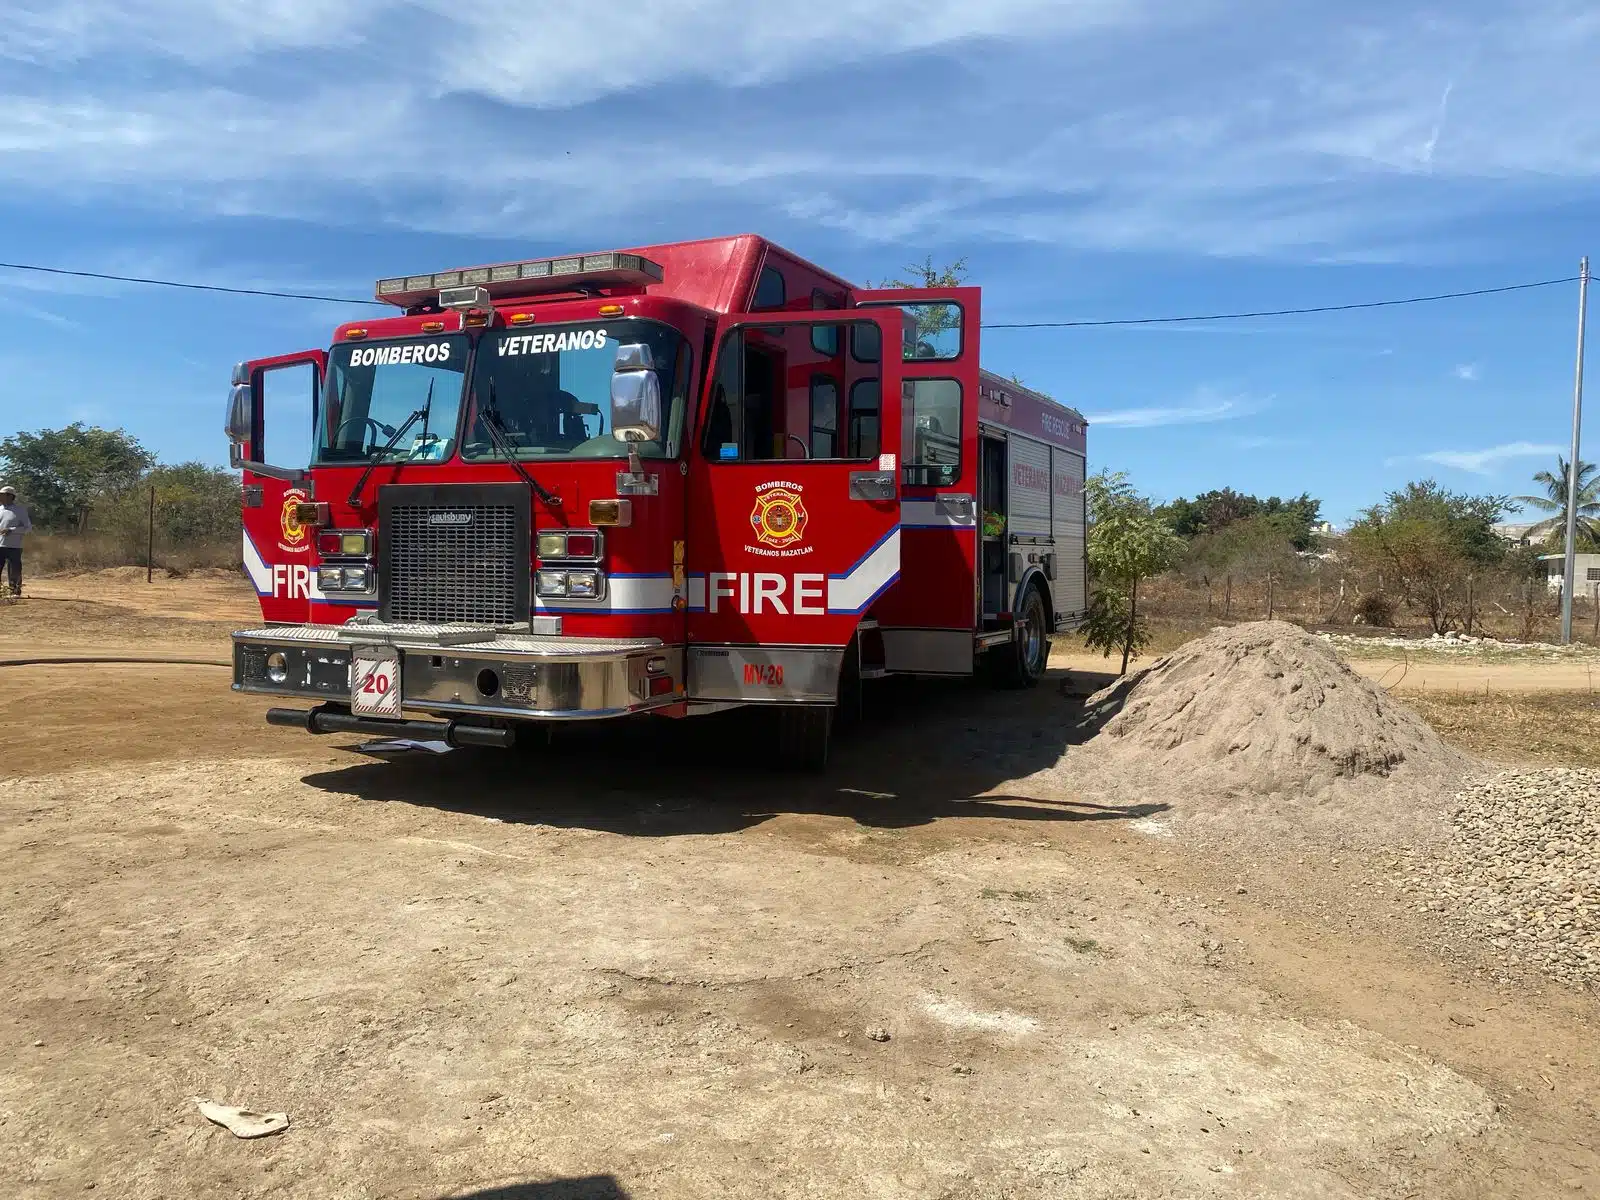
(323, 719)
(459, 669)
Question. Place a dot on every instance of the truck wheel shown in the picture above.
(1022, 663)
(804, 732)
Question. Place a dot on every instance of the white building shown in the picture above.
(1586, 576)
(1518, 533)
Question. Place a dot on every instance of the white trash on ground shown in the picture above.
(242, 1122)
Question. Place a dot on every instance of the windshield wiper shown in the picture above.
(394, 440)
(490, 416)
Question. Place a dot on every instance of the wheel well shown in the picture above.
(1033, 575)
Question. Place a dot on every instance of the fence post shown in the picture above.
(1597, 612)
(1469, 606)
(150, 538)
(1269, 595)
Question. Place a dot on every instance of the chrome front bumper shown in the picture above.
(453, 669)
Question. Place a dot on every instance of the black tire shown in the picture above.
(1022, 663)
(804, 734)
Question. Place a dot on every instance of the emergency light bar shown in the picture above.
(525, 278)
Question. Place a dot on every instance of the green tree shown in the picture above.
(1428, 542)
(1214, 511)
(195, 503)
(1127, 543)
(1554, 500)
(63, 474)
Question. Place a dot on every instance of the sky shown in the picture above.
(1088, 159)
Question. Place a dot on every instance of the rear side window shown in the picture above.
(825, 338)
(770, 290)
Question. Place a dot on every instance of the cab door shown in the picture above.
(793, 528)
(278, 556)
(929, 620)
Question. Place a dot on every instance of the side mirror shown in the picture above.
(635, 395)
(239, 424)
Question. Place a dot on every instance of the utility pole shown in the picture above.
(1570, 565)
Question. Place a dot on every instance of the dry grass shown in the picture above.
(1544, 728)
(74, 554)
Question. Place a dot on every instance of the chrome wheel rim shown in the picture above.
(1033, 631)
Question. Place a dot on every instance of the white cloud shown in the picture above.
(197, 31)
(1102, 123)
(1482, 462)
(1206, 408)
(575, 50)
(1467, 372)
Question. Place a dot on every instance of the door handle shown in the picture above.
(872, 485)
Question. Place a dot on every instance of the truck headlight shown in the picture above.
(330, 579)
(576, 585)
(357, 579)
(277, 667)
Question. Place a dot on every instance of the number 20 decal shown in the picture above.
(376, 683)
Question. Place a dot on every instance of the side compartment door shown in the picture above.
(793, 530)
(283, 394)
(929, 618)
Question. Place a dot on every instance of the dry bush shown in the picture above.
(1324, 594)
(75, 554)
(1377, 609)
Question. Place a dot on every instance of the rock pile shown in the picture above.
(1267, 719)
(1521, 871)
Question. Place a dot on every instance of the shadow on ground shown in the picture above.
(925, 751)
(590, 1187)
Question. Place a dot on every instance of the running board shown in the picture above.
(992, 637)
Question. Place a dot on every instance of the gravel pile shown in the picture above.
(1522, 871)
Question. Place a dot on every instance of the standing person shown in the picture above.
(14, 523)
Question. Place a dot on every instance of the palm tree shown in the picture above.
(1555, 501)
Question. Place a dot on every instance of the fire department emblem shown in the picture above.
(294, 533)
(779, 517)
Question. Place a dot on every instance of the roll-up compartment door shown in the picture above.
(1067, 526)
(1029, 489)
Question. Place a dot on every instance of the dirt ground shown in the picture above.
(639, 963)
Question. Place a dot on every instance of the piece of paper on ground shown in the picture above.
(242, 1122)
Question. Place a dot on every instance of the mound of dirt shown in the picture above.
(1267, 718)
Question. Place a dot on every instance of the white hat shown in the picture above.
(7, 490)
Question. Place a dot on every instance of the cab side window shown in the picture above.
(774, 397)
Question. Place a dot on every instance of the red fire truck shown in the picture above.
(671, 480)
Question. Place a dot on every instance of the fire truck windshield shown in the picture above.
(373, 388)
(552, 389)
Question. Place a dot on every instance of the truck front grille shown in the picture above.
(454, 554)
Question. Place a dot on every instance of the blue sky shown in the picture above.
(1103, 158)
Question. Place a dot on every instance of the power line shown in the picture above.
(173, 283)
(1280, 312)
(1083, 324)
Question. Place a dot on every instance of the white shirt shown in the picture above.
(14, 523)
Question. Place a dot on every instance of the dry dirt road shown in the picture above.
(638, 963)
